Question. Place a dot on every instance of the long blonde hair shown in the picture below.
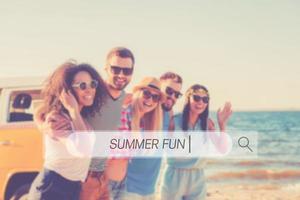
(152, 120)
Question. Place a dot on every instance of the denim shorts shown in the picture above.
(187, 184)
(117, 189)
(49, 185)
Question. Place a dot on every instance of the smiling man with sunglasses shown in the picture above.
(119, 69)
(171, 85)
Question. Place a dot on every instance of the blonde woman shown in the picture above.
(142, 114)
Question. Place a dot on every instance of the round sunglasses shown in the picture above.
(147, 95)
(83, 85)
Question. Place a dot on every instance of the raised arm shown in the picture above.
(220, 141)
(224, 115)
(70, 103)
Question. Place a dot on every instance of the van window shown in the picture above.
(22, 105)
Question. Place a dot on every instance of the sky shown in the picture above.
(245, 52)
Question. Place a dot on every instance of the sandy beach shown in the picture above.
(253, 192)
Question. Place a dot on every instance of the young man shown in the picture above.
(171, 85)
(119, 68)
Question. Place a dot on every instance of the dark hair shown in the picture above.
(101, 92)
(62, 79)
(186, 110)
(172, 76)
(120, 52)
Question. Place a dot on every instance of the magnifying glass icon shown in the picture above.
(244, 143)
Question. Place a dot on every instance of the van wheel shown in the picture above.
(21, 193)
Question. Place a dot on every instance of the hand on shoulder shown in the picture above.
(56, 125)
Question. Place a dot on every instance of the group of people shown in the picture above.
(76, 98)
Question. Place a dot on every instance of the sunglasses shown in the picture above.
(83, 85)
(147, 95)
(117, 70)
(170, 91)
(199, 98)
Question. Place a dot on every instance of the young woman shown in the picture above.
(72, 92)
(184, 178)
(142, 114)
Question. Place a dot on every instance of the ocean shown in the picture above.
(278, 160)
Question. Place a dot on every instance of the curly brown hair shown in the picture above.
(62, 79)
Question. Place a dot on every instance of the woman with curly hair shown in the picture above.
(73, 91)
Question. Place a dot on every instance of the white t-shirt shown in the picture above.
(60, 156)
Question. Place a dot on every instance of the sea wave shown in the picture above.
(257, 174)
(253, 163)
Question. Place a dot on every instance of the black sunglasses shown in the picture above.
(170, 91)
(83, 85)
(117, 70)
(199, 98)
(147, 95)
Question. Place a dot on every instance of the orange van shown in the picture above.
(21, 149)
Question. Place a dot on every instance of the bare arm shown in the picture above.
(70, 103)
(171, 124)
(78, 144)
(57, 125)
(224, 115)
(221, 141)
(52, 124)
(117, 167)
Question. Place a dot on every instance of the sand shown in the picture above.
(253, 192)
